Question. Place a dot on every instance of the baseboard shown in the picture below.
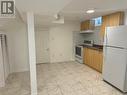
(42, 63)
(21, 70)
(63, 61)
(33, 93)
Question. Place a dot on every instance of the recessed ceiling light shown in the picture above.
(90, 11)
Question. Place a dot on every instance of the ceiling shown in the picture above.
(72, 10)
(78, 8)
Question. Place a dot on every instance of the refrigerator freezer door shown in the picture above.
(116, 36)
(114, 68)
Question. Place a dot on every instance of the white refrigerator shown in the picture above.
(115, 57)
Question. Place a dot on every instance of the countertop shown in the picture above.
(95, 47)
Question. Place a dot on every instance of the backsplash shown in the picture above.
(94, 36)
(77, 38)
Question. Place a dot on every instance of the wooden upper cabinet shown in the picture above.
(114, 19)
(86, 25)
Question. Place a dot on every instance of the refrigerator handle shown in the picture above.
(105, 38)
(104, 56)
(105, 48)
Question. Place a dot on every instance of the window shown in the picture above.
(98, 21)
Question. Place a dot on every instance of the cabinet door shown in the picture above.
(113, 19)
(95, 59)
(85, 25)
(87, 56)
(91, 58)
(88, 24)
(82, 26)
(116, 19)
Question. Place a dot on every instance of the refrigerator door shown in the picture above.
(116, 36)
(114, 68)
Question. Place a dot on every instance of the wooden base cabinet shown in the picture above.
(93, 58)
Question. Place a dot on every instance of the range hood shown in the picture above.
(86, 31)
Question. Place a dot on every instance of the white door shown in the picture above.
(114, 67)
(42, 46)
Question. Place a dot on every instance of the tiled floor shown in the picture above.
(17, 84)
(69, 78)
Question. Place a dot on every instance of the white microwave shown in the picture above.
(79, 53)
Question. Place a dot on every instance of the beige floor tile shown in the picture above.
(68, 78)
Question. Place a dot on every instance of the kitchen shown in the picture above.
(98, 30)
(101, 57)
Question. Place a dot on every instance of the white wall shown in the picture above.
(61, 42)
(17, 48)
(77, 38)
(21, 50)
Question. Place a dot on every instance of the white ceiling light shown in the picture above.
(90, 11)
